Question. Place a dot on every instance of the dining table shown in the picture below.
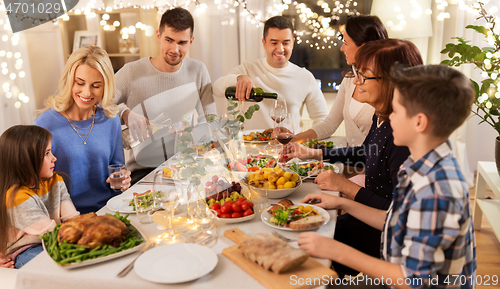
(43, 273)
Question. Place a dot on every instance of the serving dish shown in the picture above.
(103, 258)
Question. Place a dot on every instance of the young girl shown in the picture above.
(32, 198)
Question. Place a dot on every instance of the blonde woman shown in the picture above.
(86, 130)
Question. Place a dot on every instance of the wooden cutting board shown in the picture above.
(307, 271)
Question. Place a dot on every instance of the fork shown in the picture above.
(288, 240)
(129, 267)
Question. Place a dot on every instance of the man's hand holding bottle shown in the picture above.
(244, 87)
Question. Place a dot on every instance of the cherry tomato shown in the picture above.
(226, 209)
(247, 212)
(229, 202)
(250, 204)
(236, 215)
(261, 138)
(253, 169)
(296, 212)
(219, 213)
(225, 216)
(240, 200)
(236, 208)
(215, 206)
(244, 205)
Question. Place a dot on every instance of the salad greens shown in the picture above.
(315, 143)
(284, 216)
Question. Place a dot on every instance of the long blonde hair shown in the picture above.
(97, 58)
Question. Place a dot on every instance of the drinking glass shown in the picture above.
(278, 110)
(273, 150)
(206, 234)
(116, 176)
(284, 131)
(165, 197)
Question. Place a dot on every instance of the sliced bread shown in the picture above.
(307, 223)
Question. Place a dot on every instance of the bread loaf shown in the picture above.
(271, 253)
(307, 223)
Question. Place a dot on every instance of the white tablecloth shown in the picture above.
(42, 272)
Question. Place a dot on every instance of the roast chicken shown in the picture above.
(92, 230)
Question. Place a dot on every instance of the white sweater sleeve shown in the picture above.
(327, 127)
(316, 105)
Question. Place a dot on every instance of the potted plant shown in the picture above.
(487, 59)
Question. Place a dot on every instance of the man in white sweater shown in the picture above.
(168, 83)
(276, 74)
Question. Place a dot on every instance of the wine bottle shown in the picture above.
(256, 95)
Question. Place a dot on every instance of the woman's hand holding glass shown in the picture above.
(125, 182)
(296, 150)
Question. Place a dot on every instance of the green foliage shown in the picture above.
(239, 115)
(487, 59)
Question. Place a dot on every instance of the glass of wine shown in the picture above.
(278, 110)
(284, 130)
(165, 197)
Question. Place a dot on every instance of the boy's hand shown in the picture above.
(316, 245)
(327, 201)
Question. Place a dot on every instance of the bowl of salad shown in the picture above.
(307, 169)
(317, 144)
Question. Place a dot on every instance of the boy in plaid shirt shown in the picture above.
(428, 238)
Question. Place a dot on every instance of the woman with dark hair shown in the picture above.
(357, 116)
(377, 155)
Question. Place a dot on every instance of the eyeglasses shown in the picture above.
(360, 76)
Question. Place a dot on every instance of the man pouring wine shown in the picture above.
(275, 74)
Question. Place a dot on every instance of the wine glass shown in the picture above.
(284, 130)
(167, 198)
(274, 151)
(278, 110)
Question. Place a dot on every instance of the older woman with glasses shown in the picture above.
(356, 116)
(377, 155)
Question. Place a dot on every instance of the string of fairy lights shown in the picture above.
(320, 32)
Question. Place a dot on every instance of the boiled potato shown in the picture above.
(294, 177)
(281, 181)
(289, 185)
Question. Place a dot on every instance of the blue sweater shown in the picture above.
(86, 165)
(380, 157)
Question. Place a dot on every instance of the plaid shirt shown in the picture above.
(428, 228)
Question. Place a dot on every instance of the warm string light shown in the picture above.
(11, 63)
(319, 33)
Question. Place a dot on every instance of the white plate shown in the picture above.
(265, 216)
(175, 263)
(101, 259)
(312, 174)
(120, 203)
(235, 220)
